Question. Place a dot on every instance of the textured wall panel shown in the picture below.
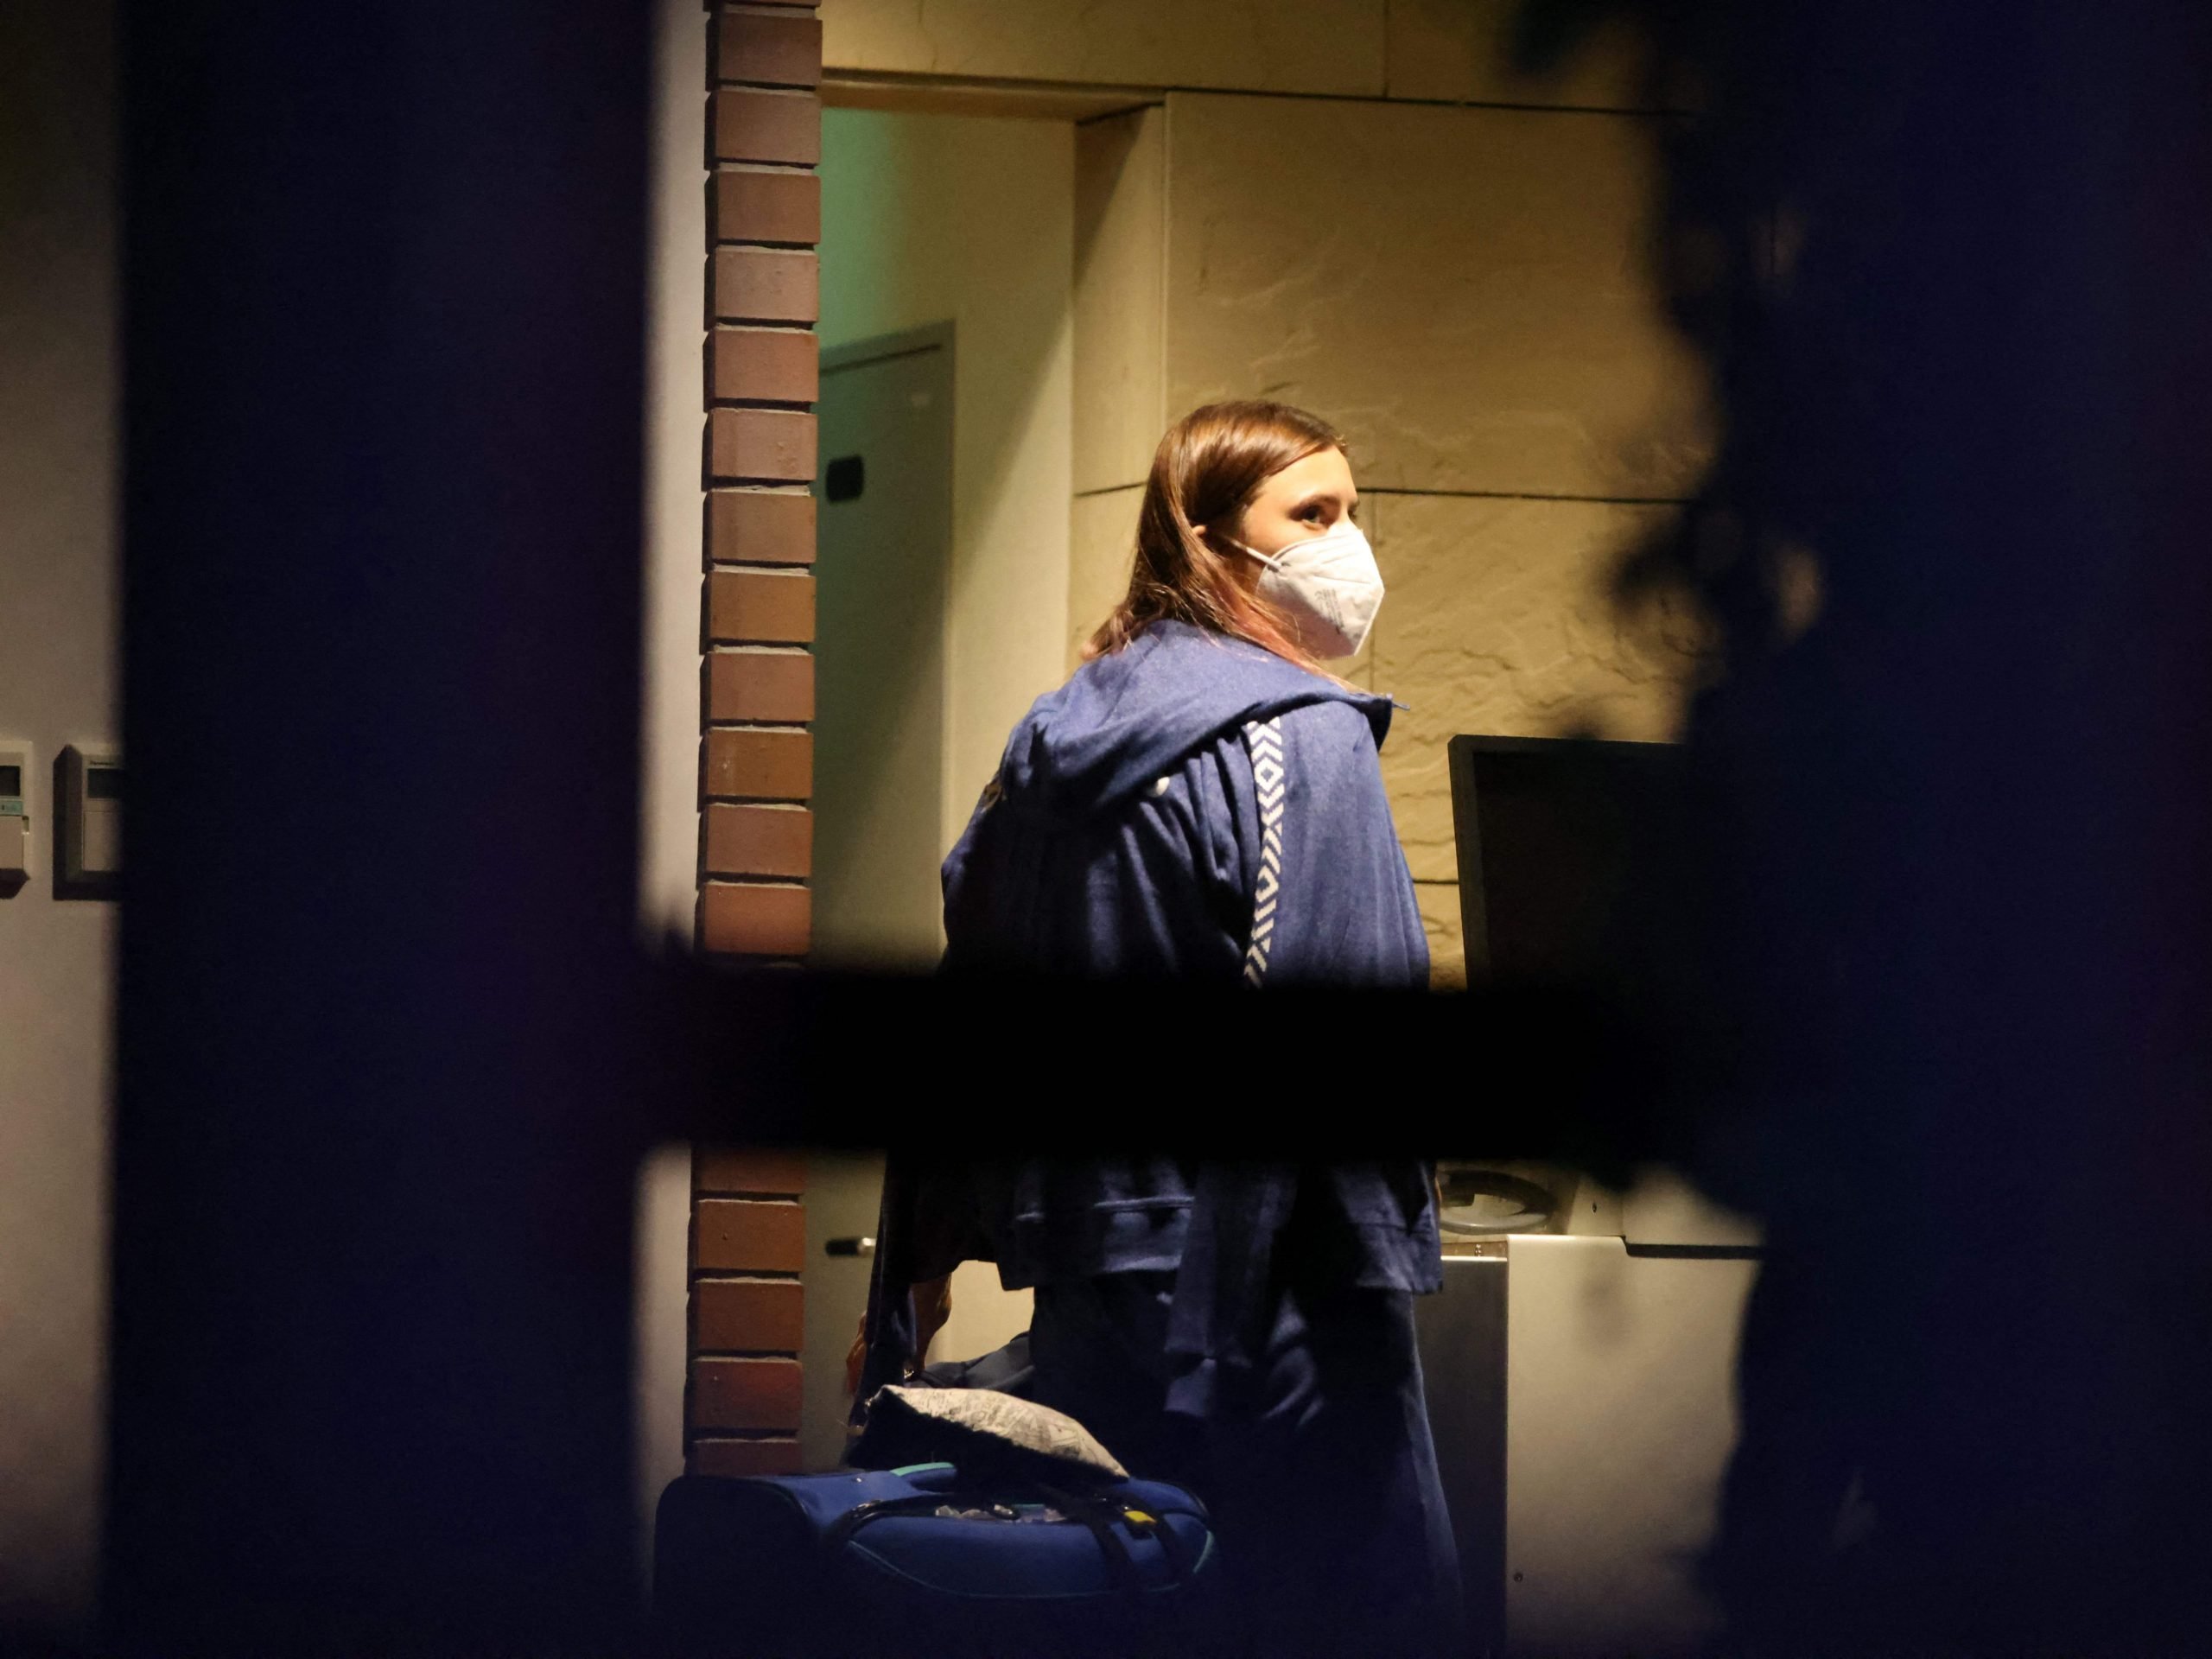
(1459, 51)
(1471, 309)
(1498, 620)
(1101, 547)
(1316, 46)
(1447, 941)
(1121, 223)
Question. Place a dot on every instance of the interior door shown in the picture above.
(843, 1193)
(882, 564)
(883, 553)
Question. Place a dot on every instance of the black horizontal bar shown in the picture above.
(1040, 1065)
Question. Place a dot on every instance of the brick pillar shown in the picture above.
(764, 218)
(748, 1239)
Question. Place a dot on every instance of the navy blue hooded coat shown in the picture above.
(1192, 806)
(1195, 806)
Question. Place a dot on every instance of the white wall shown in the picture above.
(675, 302)
(660, 1311)
(932, 217)
(668, 798)
(57, 480)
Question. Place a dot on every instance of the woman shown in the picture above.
(1202, 799)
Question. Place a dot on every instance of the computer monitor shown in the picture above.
(1564, 844)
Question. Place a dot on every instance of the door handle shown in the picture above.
(848, 1247)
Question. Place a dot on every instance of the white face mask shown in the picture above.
(1329, 585)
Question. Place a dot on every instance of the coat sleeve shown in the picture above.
(1332, 902)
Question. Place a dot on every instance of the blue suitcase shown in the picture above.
(921, 1560)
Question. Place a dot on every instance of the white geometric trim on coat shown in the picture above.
(1264, 739)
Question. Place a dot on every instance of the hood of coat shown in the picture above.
(1123, 719)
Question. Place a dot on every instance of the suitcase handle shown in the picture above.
(1092, 1513)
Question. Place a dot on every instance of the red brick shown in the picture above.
(759, 840)
(747, 1235)
(760, 527)
(759, 607)
(746, 204)
(759, 765)
(747, 1169)
(759, 685)
(766, 285)
(734, 1459)
(763, 365)
(782, 51)
(745, 919)
(744, 1394)
(772, 445)
(747, 1316)
(782, 127)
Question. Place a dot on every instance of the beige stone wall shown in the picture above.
(1449, 51)
(1460, 290)
(1318, 45)
(1121, 297)
(1499, 620)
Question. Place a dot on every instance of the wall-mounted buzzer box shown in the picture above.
(15, 820)
(88, 823)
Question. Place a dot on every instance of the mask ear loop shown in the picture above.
(1266, 559)
(1272, 560)
(1208, 535)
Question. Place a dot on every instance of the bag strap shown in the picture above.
(1145, 1523)
(1100, 1515)
(1179, 1565)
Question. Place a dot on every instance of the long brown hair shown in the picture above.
(1205, 474)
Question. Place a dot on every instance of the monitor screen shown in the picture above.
(1558, 840)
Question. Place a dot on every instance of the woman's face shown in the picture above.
(1305, 500)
